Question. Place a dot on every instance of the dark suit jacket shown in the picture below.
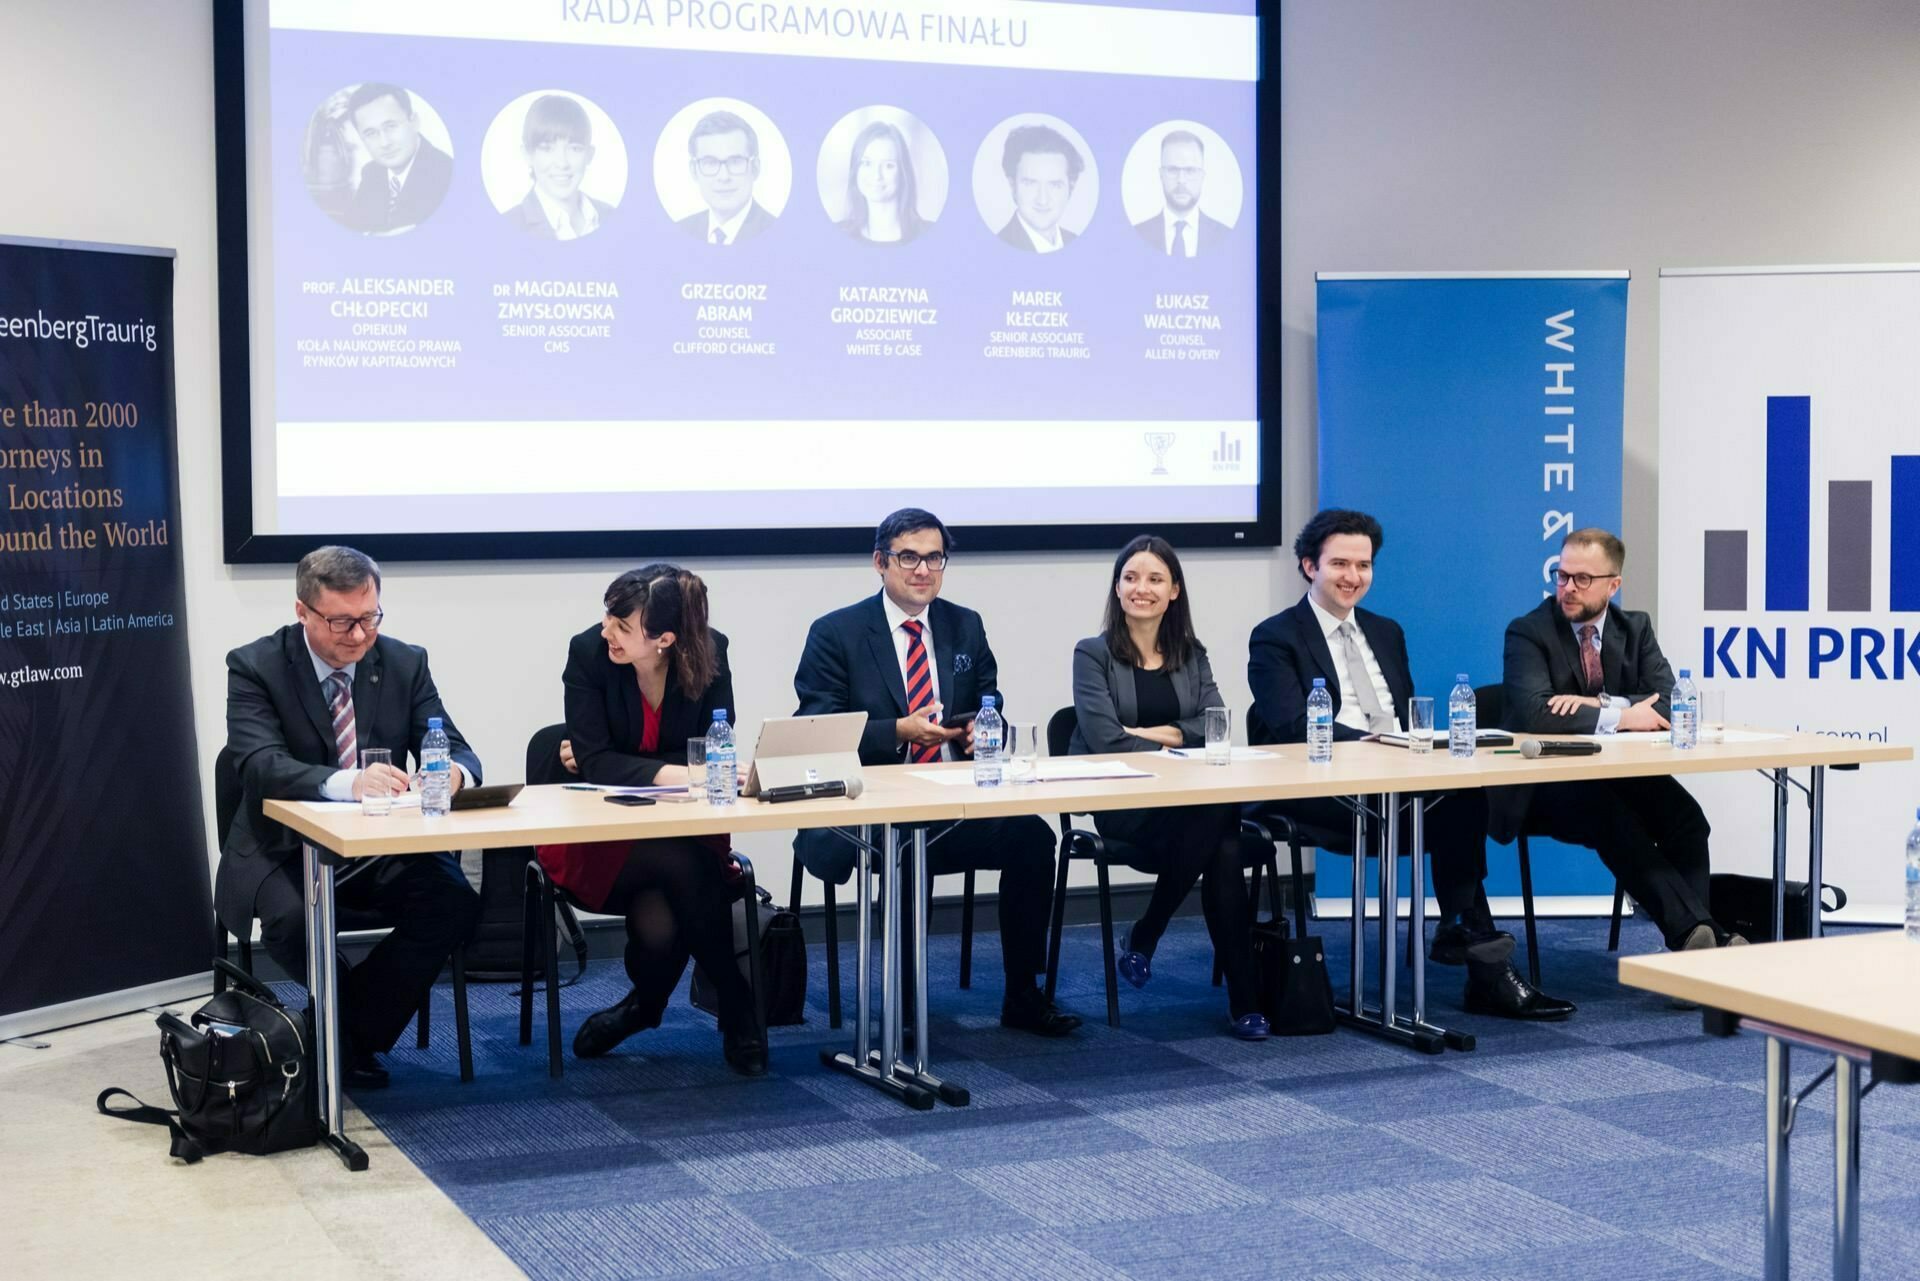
(1212, 233)
(426, 187)
(530, 216)
(604, 716)
(1542, 659)
(280, 735)
(849, 665)
(758, 220)
(1016, 235)
(1287, 651)
(1105, 701)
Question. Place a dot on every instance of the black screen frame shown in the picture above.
(242, 545)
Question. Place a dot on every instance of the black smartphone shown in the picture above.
(622, 798)
(961, 721)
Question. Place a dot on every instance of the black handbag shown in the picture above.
(1744, 904)
(1295, 993)
(783, 964)
(241, 1074)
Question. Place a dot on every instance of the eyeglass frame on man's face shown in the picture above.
(710, 166)
(1561, 578)
(370, 623)
(936, 562)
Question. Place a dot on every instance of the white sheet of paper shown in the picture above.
(404, 801)
(1200, 754)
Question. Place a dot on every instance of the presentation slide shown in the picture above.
(737, 264)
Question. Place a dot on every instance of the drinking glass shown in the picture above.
(375, 800)
(697, 765)
(1713, 715)
(1219, 735)
(1023, 752)
(1420, 726)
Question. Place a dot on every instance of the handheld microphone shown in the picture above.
(809, 791)
(1534, 748)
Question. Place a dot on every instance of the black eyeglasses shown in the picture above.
(935, 561)
(1583, 581)
(735, 165)
(370, 623)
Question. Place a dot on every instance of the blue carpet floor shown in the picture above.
(1620, 1146)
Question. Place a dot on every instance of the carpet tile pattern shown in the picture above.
(1622, 1145)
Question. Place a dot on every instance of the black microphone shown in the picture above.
(805, 792)
(1534, 748)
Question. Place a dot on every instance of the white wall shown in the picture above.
(1418, 134)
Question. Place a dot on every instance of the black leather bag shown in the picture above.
(1295, 993)
(241, 1074)
(783, 964)
(1744, 904)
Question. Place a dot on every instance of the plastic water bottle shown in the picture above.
(436, 771)
(989, 765)
(1684, 709)
(1913, 881)
(1463, 719)
(1319, 723)
(720, 760)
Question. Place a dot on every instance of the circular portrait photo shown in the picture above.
(377, 158)
(1182, 189)
(722, 170)
(883, 176)
(554, 165)
(1035, 182)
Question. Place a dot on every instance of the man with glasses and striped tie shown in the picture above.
(406, 176)
(918, 666)
(301, 704)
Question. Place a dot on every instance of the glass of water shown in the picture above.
(1219, 735)
(697, 765)
(1420, 726)
(1713, 715)
(375, 800)
(1022, 752)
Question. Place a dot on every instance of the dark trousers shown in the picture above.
(426, 900)
(1180, 846)
(1456, 837)
(1649, 832)
(675, 897)
(1021, 850)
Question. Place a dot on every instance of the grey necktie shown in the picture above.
(1379, 720)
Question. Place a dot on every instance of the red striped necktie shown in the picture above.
(919, 688)
(340, 704)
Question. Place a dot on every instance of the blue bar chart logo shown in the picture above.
(1787, 574)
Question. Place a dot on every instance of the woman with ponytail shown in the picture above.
(638, 686)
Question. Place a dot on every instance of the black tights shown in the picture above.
(1183, 845)
(674, 895)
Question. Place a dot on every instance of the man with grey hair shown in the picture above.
(301, 704)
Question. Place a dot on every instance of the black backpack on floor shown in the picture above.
(241, 1073)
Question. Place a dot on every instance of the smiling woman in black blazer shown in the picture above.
(1145, 683)
(638, 686)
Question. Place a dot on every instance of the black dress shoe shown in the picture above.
(745, 1051)
(1453, 939)
(1499, 990)
(361, 1070)
(602, 1031)
(1031, 1011)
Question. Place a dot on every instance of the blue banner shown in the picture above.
(1479, 419)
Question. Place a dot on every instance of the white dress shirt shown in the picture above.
(562, 222)
(730, 229)
(1351, 714)
(1611, 705)
(897, 616)
(1192, 218)
(1041, 244)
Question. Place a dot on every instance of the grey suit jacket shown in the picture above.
(1106, 703)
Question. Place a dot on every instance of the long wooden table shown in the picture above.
(1856, 998)
(899, 807)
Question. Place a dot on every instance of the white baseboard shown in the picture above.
(107, 1005)
(1341, 909)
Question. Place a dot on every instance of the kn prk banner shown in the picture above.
(1790, 541)
(103, 861)
(1478, 416)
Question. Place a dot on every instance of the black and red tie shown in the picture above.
(919, 689)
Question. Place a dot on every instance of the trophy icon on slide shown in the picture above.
(1159, 442)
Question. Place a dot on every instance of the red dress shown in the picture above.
(588, 871)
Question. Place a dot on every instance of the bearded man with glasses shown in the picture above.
(1580, 664)
(301, 704)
